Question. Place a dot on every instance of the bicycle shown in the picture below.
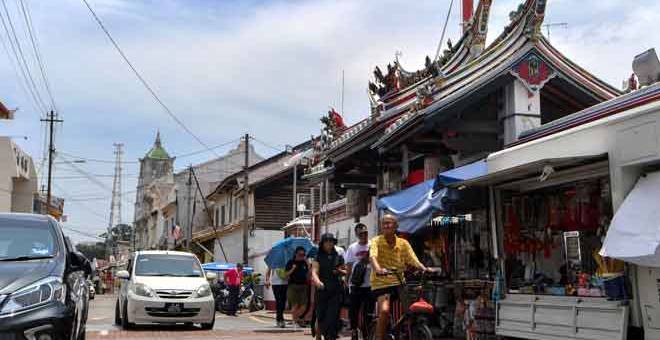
(409, 326)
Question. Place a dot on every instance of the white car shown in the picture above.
(165, 287)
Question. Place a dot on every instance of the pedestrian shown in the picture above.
(233, 278)
(358, 272)
(327, 276)
(297, 270)
(278, 281)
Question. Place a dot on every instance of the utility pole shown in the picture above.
(246, 208)
(51, 119)
(189, 209)
(115, 203)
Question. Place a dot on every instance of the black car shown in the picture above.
(43, 280)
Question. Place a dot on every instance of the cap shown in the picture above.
(361, 228)
(328, 237)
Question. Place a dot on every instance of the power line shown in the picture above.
(21, 81)
(95, 160)
(80, 203)
(85, 173)
(203, 151)
(20, 58)
(144, 82)
(37, 53)
(267, 145)
(82, 232)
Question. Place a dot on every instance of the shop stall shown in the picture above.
(550, 218)
(458, 243)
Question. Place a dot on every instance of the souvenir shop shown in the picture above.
(551, 218)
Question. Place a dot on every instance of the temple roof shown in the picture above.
(401, 99)
(158, 151)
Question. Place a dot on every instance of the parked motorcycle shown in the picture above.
(221, 296)
(250, 300)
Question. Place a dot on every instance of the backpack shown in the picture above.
(359, 271)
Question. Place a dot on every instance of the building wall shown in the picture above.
(18, 178)
(209, 174)
(343, 229)
(274, 205)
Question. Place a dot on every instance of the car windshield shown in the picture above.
(25, 241)
(167, 265)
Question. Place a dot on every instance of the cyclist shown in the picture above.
(389, 252)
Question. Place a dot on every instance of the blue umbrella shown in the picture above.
(223, 267)
(283, 251)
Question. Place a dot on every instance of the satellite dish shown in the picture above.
(647, 67)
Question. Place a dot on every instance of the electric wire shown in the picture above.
(444, 30)
(268, 145)
(144, 82)
(18, 55)
(37, 52)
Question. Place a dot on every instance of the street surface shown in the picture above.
(248, 326)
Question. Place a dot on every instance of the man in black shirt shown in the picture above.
(297, 270)
(327, 271)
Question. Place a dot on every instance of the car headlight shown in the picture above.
(39, 293)
(203, 291)
(143, 290)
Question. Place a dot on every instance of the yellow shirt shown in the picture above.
(398, 257)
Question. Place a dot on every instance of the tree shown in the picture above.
(92, 250)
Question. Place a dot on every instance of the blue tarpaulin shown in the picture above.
(464, 173)
(223, 267)
(415, 206)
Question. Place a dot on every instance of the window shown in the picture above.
(231, 212)
(304, 204)
(222, 215)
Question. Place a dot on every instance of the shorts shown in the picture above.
(392, 291)
(297, 294)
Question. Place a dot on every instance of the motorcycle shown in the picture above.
(250, 300)
(221, 296)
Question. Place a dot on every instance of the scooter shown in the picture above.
(221, 296)
(250, 300)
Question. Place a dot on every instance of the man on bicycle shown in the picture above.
(388, 253)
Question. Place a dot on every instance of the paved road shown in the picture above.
(245, 326)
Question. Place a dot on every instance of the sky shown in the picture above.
(226, 68)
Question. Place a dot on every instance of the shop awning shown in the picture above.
(464, 173)
(634, 233)
(532, 169)
(414, 206)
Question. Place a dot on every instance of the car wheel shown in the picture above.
(209, 326)
(117, 315)
(124, 317)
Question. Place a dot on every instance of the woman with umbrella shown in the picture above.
(297, 270)
(327, 271)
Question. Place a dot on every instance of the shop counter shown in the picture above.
(549, 317)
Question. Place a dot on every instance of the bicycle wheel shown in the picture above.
(421, 331)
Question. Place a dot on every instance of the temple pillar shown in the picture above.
(520, 110)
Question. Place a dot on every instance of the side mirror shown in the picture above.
(78, 262)
(211, 276)
(123, 275)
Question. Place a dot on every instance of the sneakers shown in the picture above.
(281, 324)
(354, 335)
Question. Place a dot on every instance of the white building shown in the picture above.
(18, 178)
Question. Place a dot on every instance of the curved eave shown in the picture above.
(608, 91)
